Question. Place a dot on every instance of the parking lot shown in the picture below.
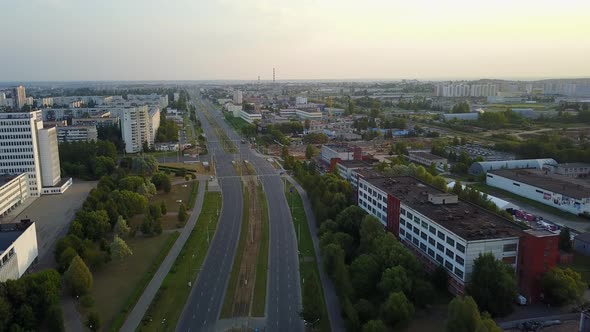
(52, 215)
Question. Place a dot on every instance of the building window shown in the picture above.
(402, 232)
(458, 272)
(449, 266)
(450, 241)
(423, 247)
(431, 241)
(430, 252)
(416, 241)
(424, 224)
(424, 236)
(509, 260)
(450, 253)
(432, 230)
(402, 211)
(461, 247)
(441, 235)
(416, 219)
(409, 215)
(416, 230)
(402, 221)
(509, 247)
(516, 184)
(459, 260)
(439, 258)
(440, 247)
(409, 236)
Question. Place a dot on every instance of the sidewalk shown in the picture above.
(134, 318)
(332, 303)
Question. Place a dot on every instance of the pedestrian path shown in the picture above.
(136, 315)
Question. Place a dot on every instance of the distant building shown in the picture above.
(300, 100)
(427, 159)
(19, 96)
(481, 167)
(473, 116)
(250, 116)
(76, 134)
(136, 128)
(238, 97)
(18, 249)
(97, 122)
(234, 109)
(170, 146)
(566, 194)
(176, 96)
(154, 123)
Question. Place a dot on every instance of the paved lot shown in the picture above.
(53, 215)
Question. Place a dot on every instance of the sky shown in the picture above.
(63, 40)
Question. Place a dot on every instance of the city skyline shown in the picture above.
(226, 40)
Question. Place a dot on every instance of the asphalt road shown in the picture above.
(283, 289)
(202, 308)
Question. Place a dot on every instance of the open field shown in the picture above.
(118, 285)
(307, 262)
(167, 306)
(179, 192)
(246, 291)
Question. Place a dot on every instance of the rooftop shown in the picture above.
(353, 163)
(10, 232)
(466, 220)
(426, 155)
(338, 148)
(555, 183)
(568, 165)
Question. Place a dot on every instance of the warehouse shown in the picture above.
(481, 167)
(567, 194)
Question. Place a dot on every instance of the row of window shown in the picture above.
(14, 123)
(16, 163)
(16, 156)
(15, 150)
(434, 244)
(433, 231)
(17, 136)
(17, 143)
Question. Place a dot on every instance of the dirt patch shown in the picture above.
(243, 296)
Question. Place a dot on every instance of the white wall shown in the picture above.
(49, 157)
(13, 193)
(26, 249)
(546, 197)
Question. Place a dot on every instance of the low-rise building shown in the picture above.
(481, 167)
(13, 192)
(96, 121)
(339, 152)
(566, 194)
(573, 170)
(18, 249)
(170, 146)
(427, 159)
(76, 134)
(250, 116)
(440, 229)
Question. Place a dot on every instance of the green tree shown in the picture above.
(93, 321)
(155, 212)
(395, 279)
(371, 228)
(65, 259)
(78, 277)
(563, 286)
(397, 309)
(309, 151)
(121, 228)
(565, 242)
(493, 285)
(365, 273)
(162, 182)
(5, 313)
(163, 208)
(463, 315)
(374, 326)
(120, 249)
(182, 213)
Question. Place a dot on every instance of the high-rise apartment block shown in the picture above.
(464, 90)
(19, 96)
(139, 125)
(238, 97)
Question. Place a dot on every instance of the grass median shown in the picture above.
(308, 267)
(167, 306)
(259, 301)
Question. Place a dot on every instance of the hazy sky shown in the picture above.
(315, 39)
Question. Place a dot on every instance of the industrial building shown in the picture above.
(427, 159)
(18, 249)
(340, 152)
(564, 193)
(481, 167)
(440, 229)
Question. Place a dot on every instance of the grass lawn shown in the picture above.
(237, 123)
(226, 309)
(259, 301)
(118, 285)
(307, 263)
(172, 295)
(580, 264)
(178, 192)
(500, 192)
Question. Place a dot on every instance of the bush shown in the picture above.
(87, 301)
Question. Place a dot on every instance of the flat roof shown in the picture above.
(353, 163)
(10, 232)
(426, 155)
(4, 179)
(573, 165)
(468, 221)
(338, 148)
(551, 182)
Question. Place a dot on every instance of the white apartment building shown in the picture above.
(14, 190)
(19, 96)
(76, 134)
(18, 249)
(97, 122)
(2, 99)
(154, 122)
(136, 128)
(44, 102)
(300, 100)
(250, 117)
(238, 97)
(438, 227)
(309, 115)
(26, 147)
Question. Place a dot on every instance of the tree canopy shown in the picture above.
(563, 286)
(493, 285)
